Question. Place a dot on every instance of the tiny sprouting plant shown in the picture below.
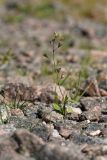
(17, 104)
(5, 108)
(58, 76)
(14, 103)
(13, 96)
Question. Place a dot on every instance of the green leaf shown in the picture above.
(57, 107)
(69, 110)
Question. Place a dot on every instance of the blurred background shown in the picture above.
(57, 9)
(27, 26)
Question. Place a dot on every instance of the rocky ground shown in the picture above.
(30, 128)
